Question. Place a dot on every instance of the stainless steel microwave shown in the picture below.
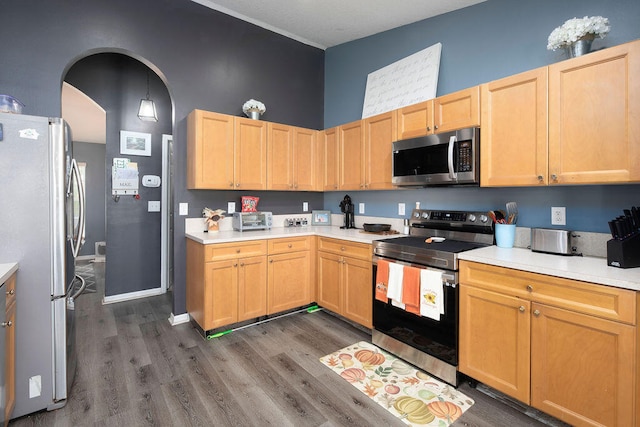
(448, 158)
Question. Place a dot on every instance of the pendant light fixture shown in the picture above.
(147, 110)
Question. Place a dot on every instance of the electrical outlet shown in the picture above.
(558, 216)
(305, 206)
(400, 208)
(153, 206)
(361, 208)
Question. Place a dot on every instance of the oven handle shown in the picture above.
(452, 173)
(448, 279)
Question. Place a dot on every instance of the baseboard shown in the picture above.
(132, 295)
(179, 319)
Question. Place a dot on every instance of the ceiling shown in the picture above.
(327, 23)
(88, 121)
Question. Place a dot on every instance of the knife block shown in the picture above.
(624, 253)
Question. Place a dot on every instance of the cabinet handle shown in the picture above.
(521, 308)
(342, 248)
(435, 128)
(237, 184)
(540, 178)
(289, 245)
(295, 185)
(554, 177)
(235, 265)
(529, 288)
(335, 186)
(271, 261)
(6, 324)
(231, 184)
(428, 128)
(242, 264)
(11, 292)
(237, 251)
(536, 313)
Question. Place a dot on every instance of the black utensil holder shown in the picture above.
(624, 253)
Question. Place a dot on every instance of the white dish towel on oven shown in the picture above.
(394, 287)
(431, 294)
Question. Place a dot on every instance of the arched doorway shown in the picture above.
(133, 226)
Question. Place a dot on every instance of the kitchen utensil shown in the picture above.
(493, 217)
(512, 212)
(376, 228)
(434, 239)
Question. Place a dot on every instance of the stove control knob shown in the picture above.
(483, 218)
(417, 214)
(472, 218)
(425, 215)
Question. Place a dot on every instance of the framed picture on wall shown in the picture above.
(135, 143)
(320, 217)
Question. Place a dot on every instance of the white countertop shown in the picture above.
(6, 270)
(353, 234)
(586, 269)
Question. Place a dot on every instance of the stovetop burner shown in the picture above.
(462, 231)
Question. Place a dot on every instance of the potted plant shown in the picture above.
(577, 34)
(254, 109)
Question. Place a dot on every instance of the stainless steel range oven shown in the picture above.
(429, 342)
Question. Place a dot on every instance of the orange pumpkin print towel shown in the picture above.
(382, 280)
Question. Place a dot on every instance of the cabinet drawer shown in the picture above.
(598, 300)
(343, 247)
(10, 288)
(292, 244)
(222, 251)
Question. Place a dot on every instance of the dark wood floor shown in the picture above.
(135, 369)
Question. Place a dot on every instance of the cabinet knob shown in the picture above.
(342, 248)
(289, 245)
(242, 264)
(237, 184)
(295, 185)
(231, 184)
(271, 261)
(335, 186)
(237, 251)
(235, 265)
(428, 128)
(554, 177)
(11, 292)
(536, 313)
(7, 324)
(521, 308)
(435, 128)
(529, 288)
(540, 178)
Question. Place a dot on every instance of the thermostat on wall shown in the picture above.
(151, 181)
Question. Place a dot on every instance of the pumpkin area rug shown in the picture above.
(408, 393)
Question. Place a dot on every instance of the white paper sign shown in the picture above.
(405, 82)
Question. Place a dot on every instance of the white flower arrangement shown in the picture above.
(574, 29)
(253, 105)
(212, 217)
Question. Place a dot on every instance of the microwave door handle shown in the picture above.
(452, 173)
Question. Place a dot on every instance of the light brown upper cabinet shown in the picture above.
(292, 158)
(379, 134)
(329, 156)
(594, 117)
(448, 112)
(513, 131)
(226, 152)
(351, 150)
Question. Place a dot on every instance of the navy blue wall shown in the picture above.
(481, 43)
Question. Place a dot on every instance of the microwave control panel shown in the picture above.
(465, 157)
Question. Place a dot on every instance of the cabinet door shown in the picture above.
(250, 167)
(457, 110)
(209, 150)
(415, 120)
(221, 294)
(329, 281)
(582, 367)
(379, 133)
(252, 287)
(289, 283)
(357, 291)
(330, 159)
(494, 342)
(594, 106)
(10, 349)
(351, 144)
(305, 170)
(280, 158)
(514, 130)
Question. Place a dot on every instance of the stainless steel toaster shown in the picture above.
(551, 241)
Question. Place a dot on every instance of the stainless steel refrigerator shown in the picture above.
(41, 228)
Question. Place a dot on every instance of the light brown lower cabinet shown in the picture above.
(9, 287)
(565, 347)
(233, 282)
(344, 279)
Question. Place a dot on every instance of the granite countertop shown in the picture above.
(229, 236)
(585, 269)
(6, 270)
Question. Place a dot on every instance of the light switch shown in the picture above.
(361, 208)
(305, 206)
(153, 206)
(35, 386)
(401, 209)
(231, 207)
(184, 208)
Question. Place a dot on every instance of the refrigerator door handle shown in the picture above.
(79, 291)
(75, 172)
